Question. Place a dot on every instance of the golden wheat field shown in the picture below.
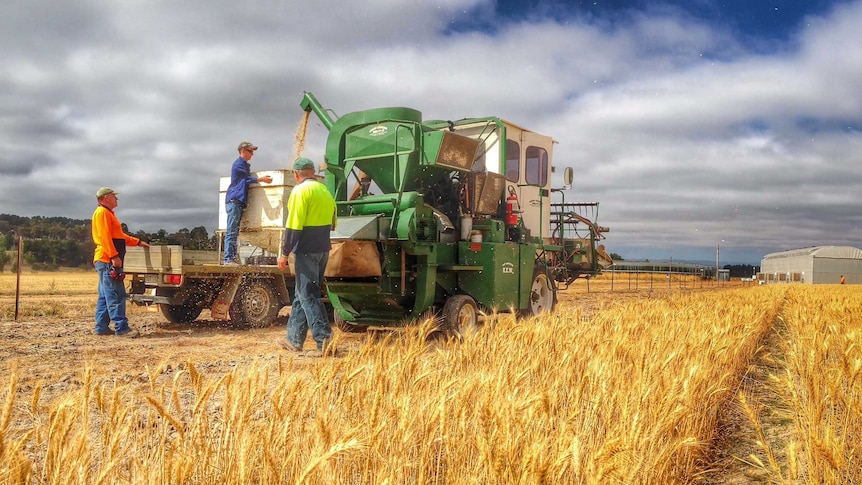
(690, 384)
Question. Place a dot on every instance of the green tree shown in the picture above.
(181, 237)
(160, 237)
(199, 238)
(616, 257)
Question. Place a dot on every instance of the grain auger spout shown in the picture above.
(310, 103)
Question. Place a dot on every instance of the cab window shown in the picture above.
(536, 168)
(513, 161)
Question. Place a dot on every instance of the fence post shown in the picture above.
(18, 275)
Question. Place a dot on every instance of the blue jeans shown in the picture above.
(234, 216)
(111, 305)
(307, 309)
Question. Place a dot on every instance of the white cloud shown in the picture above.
(684, 135)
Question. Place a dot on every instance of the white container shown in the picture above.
(476, 236)
(265, 215)
(466, 227)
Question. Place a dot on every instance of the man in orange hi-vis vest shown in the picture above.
(111, 244)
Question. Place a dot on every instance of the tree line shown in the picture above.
(52, 242)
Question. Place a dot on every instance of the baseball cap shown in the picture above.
(105, 191)
(302, 163)
(247, 144)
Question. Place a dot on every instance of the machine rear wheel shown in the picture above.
(255, 303)
(185, 313)
(459, 314)
(543, 297)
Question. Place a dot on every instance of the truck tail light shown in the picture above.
(173, 279)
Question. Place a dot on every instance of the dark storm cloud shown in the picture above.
(688, 131)
(25, 164)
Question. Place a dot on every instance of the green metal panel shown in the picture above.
(364, 302)
(383, 204)
(384, 143)
(446, 280)
(496, 286)
(425, 283)
(493, 230)
(525, 275)
(380, 123)
(372, 141)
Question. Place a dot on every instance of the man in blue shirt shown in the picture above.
(236, 199)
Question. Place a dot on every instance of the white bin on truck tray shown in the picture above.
(265, 214)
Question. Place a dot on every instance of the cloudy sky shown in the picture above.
(692, 122)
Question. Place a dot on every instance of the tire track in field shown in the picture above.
(766, 419)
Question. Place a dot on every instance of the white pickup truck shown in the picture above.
(183, 283)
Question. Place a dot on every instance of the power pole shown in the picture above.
(716, 262)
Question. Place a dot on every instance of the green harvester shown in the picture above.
(448, 218)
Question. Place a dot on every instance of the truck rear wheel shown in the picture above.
(460, 313)
(255, 304)
(543, 297)
(185, 313)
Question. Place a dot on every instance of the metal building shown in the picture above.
(816, 265)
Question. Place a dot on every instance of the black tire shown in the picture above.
(345, 326)
(543, 295)
(185, 313)
(255, 304)
(460, 313)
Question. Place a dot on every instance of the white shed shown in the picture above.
(817, 265)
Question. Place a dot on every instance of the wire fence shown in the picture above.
(629, 281)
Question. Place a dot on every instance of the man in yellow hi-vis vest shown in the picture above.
(310, 218)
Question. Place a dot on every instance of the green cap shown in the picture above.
(302, 163)
(105, 191)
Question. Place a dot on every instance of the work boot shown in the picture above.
(286, 345)
(131, 333)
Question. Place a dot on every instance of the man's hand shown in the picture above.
(282, 263)
(117, 262)
(265, 179)
(143, 244)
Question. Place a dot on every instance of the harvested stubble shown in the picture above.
(630, 394)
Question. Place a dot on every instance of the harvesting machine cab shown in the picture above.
(447, 217)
